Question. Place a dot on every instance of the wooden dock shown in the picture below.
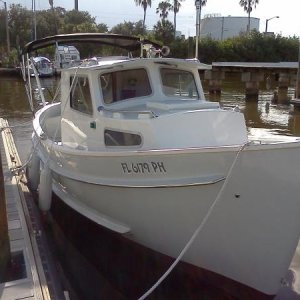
(253, 75)
(39, 280)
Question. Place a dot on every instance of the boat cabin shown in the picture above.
(141, 104)
(66, 56)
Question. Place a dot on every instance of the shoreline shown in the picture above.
(9, 71)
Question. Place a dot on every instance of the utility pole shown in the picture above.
(76, 5)
(7, 29)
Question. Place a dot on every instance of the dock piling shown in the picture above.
(5, 257)
(283, 84)
(252, 81)
(215, 79)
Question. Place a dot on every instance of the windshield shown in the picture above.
(122, 85)
(178, 83)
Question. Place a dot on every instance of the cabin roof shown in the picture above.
(138, 62)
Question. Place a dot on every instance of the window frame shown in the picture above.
(122, 132)
(116, 92)
(197, 97)
(89, 105)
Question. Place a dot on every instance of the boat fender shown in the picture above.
(45, 189)
(33, 172)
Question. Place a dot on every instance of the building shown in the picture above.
(220, 28)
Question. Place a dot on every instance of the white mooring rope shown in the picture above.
(197, 231)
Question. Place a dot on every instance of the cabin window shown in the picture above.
(121, 85)
(178, 83)
(120, 138)
(80, 96)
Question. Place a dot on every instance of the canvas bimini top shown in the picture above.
(129, 43)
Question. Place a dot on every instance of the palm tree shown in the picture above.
(248, 5)
(176, 6)
(144, 4)
(199, 4)
(163, 10)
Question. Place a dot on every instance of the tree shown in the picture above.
(248, 7)
(163, 31)
(53, 12)
(2, 28)
(128, 28)
(144, 4)
(78, 21)
(199, 5)
(20, 25)
(163, 9)
(102, 28)
(176, 6)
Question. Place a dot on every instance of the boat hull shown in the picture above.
(253, 221)
(124, 267)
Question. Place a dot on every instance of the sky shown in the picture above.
(112, 12)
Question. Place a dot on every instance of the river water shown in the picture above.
(262, 117)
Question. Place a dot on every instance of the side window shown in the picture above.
(80, 96)
(121, 85)
(119, 138)
(178, 83)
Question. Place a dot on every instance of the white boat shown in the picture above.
(66, 56)
(43, 66)
(134, 146)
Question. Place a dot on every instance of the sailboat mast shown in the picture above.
(34, 19)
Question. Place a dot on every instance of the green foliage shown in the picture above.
(180, 48)
(163, 9)
(248, 5)
(209, 50)
(163, 31)
(20, 25)
(10, 59)
(144, 4)
(252, 47)
(78, 21)
(129, 28)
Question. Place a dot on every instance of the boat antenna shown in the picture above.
(198, 12)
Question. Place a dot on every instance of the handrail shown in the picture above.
(145, 112)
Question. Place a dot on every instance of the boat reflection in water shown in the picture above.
(140, 174)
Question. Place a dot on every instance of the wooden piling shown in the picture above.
(295, 83)
(252, 81)
(283, 84)
(215, 79)
(5, 257)
(297, 91)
